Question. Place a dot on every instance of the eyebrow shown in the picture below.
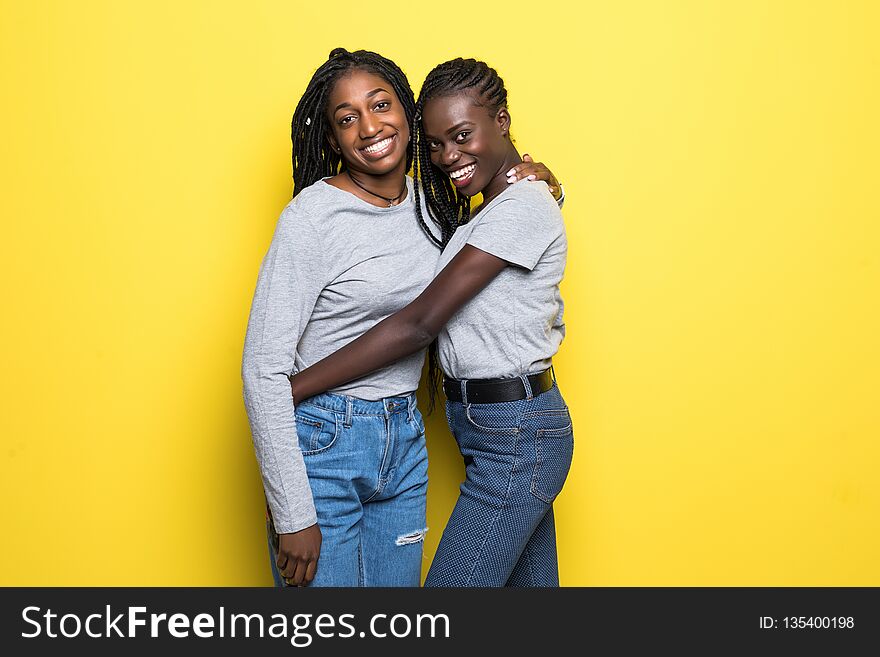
(370, 94)
(453, 129)
(458, 126)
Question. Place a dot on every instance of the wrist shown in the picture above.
(561, 197)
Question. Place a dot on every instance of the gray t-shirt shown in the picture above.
(336, 266)
(514, 326)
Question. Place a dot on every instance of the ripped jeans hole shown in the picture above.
(414, 537)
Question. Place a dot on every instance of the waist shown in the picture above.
(355, 406)
(493, 391)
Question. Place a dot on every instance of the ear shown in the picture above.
(502, 120)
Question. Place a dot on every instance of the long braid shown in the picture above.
(312, 158)
(416, 168)
(446, 207)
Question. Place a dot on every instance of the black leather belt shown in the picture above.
(490, 391)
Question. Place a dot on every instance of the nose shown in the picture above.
(369, 125)
(449, 155)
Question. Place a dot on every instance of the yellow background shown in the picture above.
(721, 166)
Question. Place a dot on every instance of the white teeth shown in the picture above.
(378, 146)
(458, 173)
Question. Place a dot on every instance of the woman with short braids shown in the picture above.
(494, 308)
(345, 472)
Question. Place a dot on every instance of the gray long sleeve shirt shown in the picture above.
(336, 267)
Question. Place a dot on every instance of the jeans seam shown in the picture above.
(529, 564)
(361, 576)
(380, 484)
(551, 411)
(498, 511)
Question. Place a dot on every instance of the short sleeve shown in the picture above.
(519, 229)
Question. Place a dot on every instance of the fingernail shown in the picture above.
(533, 177)
(510, 173)
(512, 179)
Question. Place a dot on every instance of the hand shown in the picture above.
(298, 554)
(532, 170)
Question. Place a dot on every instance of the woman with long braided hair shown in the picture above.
(345, 472)
(496, 312)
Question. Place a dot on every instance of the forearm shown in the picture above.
(387, 342)
(406, 331)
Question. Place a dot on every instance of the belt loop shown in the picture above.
(411, 407)
(527, 386)
(348, 411)
(463, 384)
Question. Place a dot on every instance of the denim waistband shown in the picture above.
(356, 406)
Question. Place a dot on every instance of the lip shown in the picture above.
(378, 155)
(465, 180)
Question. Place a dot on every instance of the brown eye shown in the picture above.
(462, 136)
(434, 145)
(382, 105)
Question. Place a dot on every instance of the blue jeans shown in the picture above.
(368, 469)
(517, 455)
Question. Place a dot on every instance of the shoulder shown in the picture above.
(311, 200)
(534, 193)
(296, 227)
(528, 199)
(300, 214)
(531, 189)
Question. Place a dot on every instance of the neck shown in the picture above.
(499, 183)
(388, 184)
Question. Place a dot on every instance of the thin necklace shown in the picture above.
(384, 198)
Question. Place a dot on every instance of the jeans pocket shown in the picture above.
(317, 431)
(554, 449)
(503, 417)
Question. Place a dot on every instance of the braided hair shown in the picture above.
(448, 208)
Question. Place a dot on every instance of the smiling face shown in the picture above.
(467, 142)
(368, 125)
